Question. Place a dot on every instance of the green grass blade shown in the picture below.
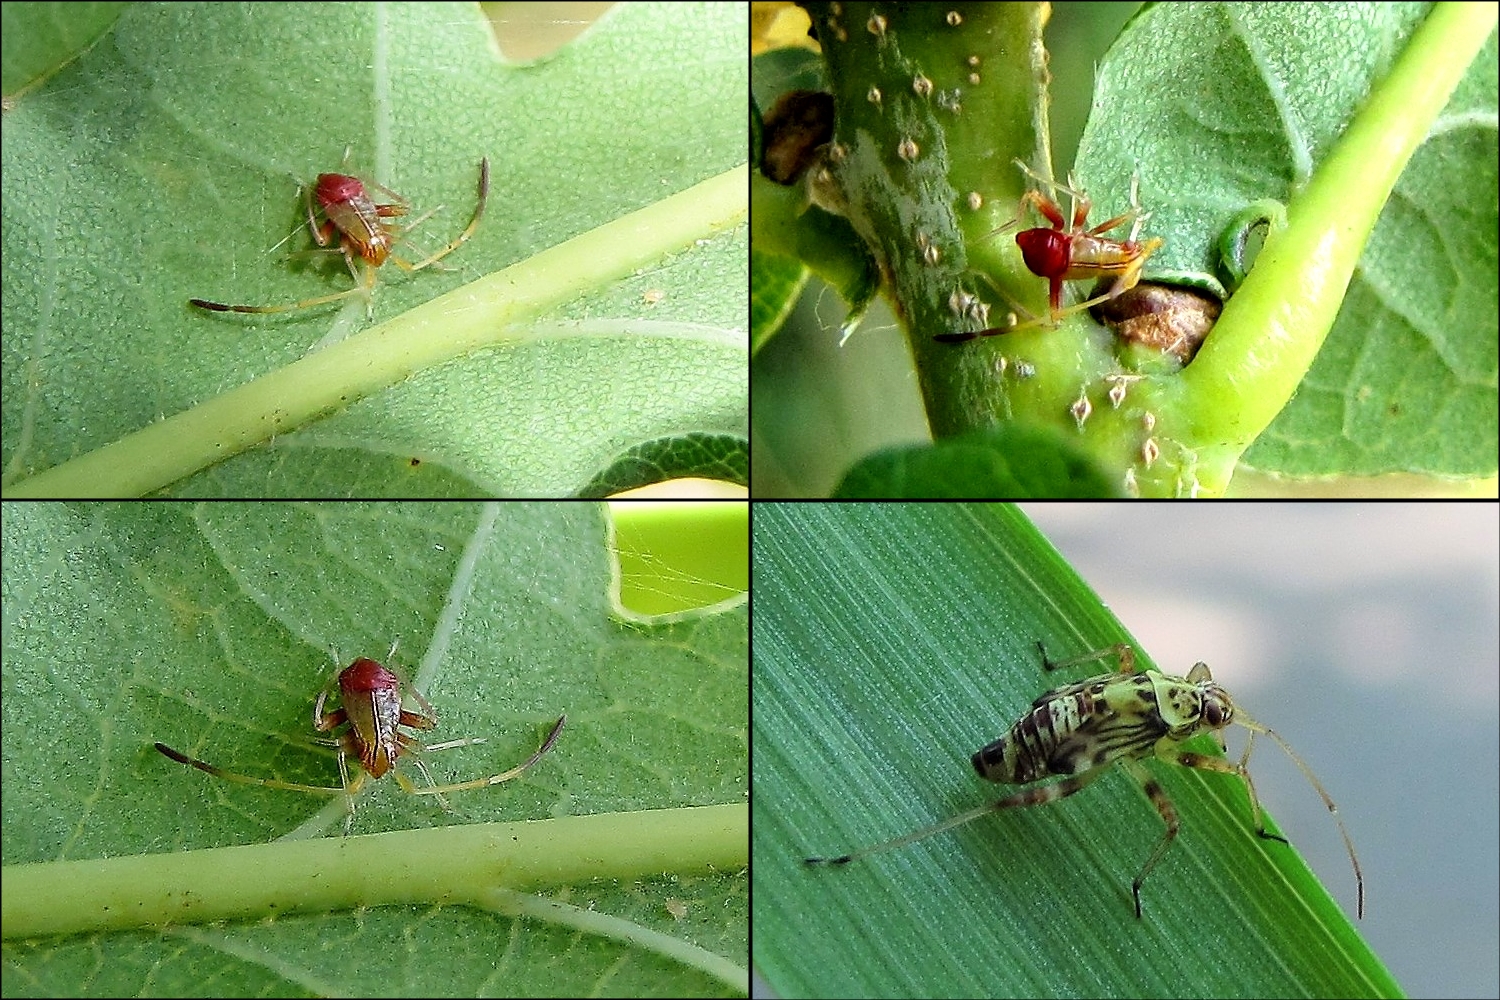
(891, 642)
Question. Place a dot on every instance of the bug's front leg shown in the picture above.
(322, 232)
(1205, 763)
(1163, 804)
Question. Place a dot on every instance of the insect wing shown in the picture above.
(1113, 717)
(1069, 690)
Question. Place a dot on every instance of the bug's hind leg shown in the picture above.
(1035, 796)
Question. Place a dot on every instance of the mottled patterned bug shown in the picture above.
(1077, 731)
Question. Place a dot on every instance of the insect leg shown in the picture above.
(1169, 814)
(463, 237)
(432, 786)
(1243, 772)
(1120, 649)
(401, 207)
(1163, 804)
(1203, 762)
(323, 233)
(495, 779)
(414, 754)
(351, 788)
(243, 779)
(1036, 796)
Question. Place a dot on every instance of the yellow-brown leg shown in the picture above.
(1163, 804)
(1123, 650)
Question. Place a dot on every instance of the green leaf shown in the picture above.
(722, 457)
(163, 163)
(1014, 460)
(209, 628)
(1404, 380)
(891, 642)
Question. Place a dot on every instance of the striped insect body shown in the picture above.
(1077, 731)
(1091, 723)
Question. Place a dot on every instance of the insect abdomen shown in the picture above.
(1027, 751)
(1074, 729)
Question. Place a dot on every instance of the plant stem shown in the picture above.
(454, 864)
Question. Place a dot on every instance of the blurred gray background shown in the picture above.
(1366, 635)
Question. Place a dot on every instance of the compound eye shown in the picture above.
(1215, 713)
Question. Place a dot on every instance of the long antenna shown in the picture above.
(1256, 727)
